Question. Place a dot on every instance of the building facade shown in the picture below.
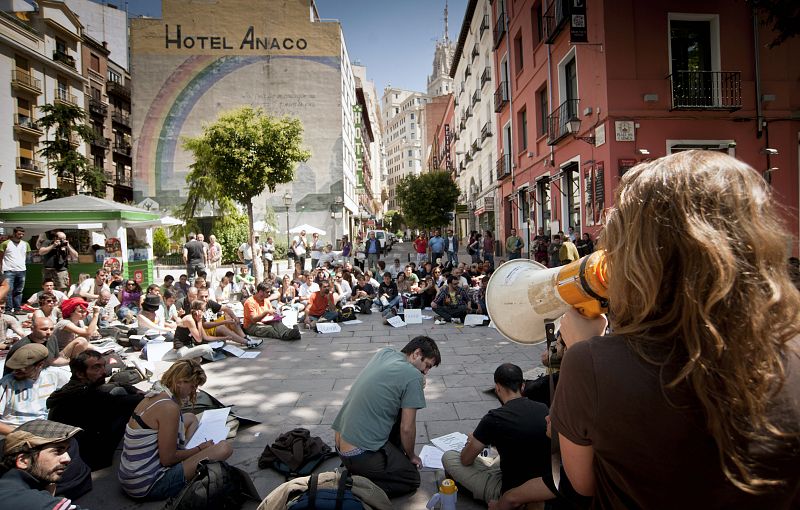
(40, 56)
(578, 103)
(402, 113)
(372, 105)
(474, 122)
(105, 23)
(193, 64)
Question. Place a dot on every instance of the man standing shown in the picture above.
(300, 248)
(102, 410)
(451, 247)
(450, 304)
(316, 250)
(376, 428)
(568, 252)
(540, 244)
(421, 247)
(436, 246)
(488, 248)
(518, 430)
(56, 255)
(36, 454)
(13, 253)
(514, 245)
(194, 256)
(373, 250)
(214, 257)
(257, 308)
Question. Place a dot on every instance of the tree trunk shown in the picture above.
(251, 238)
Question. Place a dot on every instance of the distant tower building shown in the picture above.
(440, 82)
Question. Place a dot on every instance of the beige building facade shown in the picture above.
(204, 58)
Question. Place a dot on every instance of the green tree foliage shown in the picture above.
(68, 126)
(160, 242)
(243, 153)
(231, 232)
(393, 220)
(427, 199)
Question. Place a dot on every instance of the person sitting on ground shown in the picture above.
(403, 287)
(410, 276)
(42, 334)
(342, 288)
(100, 409)
(518, 431)
(191, 339)
(395, 269)
(24, 394)
(245, 282)
(321, 306)
(183, 285)
(9, 322)
(169, 284)
(308, 287)
(36, 455)
(289, 297)
(171, 310)
(129, 299)
(326, 256)
(90, 289)
(47, 286)
(425, 269)
(222, 294)
(107, 303)
(387, 295)
(371, 279)
(72, 329)
(363, 290)
(150, 320)
(221, 315)
(200, 282)
(375, 430)
(48, 307)
(116, 281)
(261, 320)
(426, 292)
(184, 304)
(451, 302)
(75, 287)
(155, 464)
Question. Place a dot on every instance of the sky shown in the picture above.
(394, 39)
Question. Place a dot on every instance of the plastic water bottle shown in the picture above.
(446, 497)
(400, 309)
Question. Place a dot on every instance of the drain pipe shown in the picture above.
(757, 63)
(550, 103)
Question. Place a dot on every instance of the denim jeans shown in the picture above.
(16, 284)
(392, 302)
(452, 257)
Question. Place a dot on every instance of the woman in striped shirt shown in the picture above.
(155, 464)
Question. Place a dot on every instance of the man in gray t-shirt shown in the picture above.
(376, 427)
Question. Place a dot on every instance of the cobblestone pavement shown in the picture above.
(303, 384)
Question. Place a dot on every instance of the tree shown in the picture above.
(231, 232)
(160, 242)
(428, 199)
(781, 16)
(69, 128)
(244, 152)
(392, 220)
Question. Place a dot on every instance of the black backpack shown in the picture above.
(295, 453)
(341, 498)
(216, 485)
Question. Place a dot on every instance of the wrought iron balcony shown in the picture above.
(503, 166)
(499, 29)
(706, 90)
(555, 18)
(63, 96)
(124, 149)
(484, 24)
(467, 71)
(65, 58)
(476, 96)
(558, 121)
(26, 125)
(486, 131)
(98, 107)
(123, 178)
(476, 147)
(30, 167)
(100, 140)
(121, 118)
(486, 75)
(475, 51)
(468, 112)
(500, 96)
(22, 80)
(118, 89)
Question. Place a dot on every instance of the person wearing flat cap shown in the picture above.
(36, 456)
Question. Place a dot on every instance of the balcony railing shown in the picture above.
(24, 80)
(468, 112)
(98, 107)
(503, 166)
(706, 90)
(486, 75)
(484, 24)
(558, 121)
(486, 131)
(499, 29)
(476, 147)
(467, 71)
(100, 140)
(64, 58)
(27, 123)
(555, 18)
(30, 167)
(65, 97)
(118, 89)
(462, 124)
(500, 96)
(123, 178)
(475, 51)
(124, 149)
(121, 118)
(476, 96)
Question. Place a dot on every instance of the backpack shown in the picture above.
(295, 453)
(215, 485)
(341, 498)
(364, 306)
(348, 313)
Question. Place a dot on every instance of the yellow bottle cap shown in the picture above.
(448, 486)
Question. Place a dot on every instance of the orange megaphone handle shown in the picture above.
(584, 284)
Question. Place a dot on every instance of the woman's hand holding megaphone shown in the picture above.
(577, 328)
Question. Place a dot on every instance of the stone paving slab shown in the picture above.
(303, 383)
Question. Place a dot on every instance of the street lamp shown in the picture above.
(574, 126)
(287, 201)
(337, 205)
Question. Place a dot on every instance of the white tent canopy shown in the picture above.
(308, 228)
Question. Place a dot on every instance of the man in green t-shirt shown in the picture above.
(376, 427)
(514, 245)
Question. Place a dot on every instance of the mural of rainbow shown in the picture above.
(160, 134)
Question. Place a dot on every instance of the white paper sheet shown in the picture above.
(157, 350)
(452, 441)
(250, 355)
(289, 317)
(412, 316)
(473, 319)
(328, 327)
(352, 322)
(396, 322)
(212, 427)
(233, 350)
(431, 457)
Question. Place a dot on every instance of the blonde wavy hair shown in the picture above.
(697, 269)
(188, 370)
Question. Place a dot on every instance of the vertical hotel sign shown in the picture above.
(359, 147)
(577, 22)
(448, 162)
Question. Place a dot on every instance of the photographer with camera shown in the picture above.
(56, 255)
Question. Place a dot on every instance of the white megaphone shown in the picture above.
(523, 294)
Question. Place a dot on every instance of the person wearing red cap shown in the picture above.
(71, 329)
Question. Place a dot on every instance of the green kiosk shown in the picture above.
(105, 234)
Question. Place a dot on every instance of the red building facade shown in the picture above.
(581, 100)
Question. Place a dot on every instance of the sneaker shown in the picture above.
(253, 343)
(456, 321)
(439, 322)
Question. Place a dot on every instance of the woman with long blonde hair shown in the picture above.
(694, 400)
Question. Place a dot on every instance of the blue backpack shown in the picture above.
(341, 498)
